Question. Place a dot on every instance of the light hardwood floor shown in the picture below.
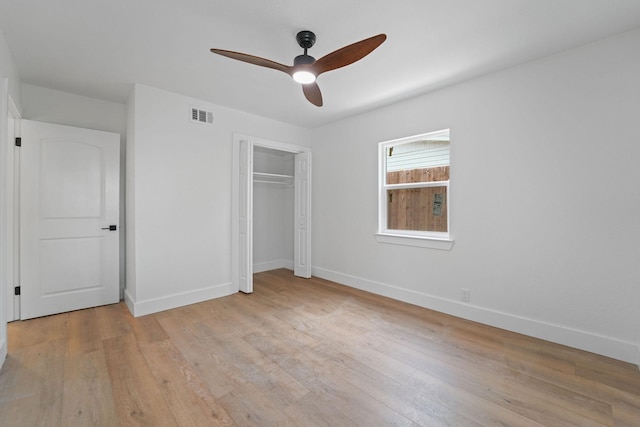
(301, 352)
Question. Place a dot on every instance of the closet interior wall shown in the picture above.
(273, 209)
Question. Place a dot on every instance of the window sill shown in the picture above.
(444, 244)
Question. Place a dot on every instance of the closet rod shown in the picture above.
(272, 175)
(273, 182)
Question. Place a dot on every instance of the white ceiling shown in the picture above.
(99, 48)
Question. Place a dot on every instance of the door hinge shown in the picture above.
(18, 141)
(16, 290)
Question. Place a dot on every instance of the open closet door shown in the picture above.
(302, 215)
(246, 217)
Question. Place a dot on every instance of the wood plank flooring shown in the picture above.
(301, 352)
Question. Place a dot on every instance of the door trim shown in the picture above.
(12, 214)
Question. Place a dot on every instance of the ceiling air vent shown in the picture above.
(201, 116)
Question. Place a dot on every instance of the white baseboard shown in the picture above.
(142, 308)
(272, 265)
(603, 345)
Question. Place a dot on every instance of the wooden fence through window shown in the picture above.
(421, 209)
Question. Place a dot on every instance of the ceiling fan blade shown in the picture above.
(348, 54)
(256, 60)
(312, 93)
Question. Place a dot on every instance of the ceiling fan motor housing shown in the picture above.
(303, 59)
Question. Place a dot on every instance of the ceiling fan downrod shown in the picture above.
(306, 39)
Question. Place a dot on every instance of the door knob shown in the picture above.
(111, 228)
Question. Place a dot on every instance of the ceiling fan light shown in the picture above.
(304, 77)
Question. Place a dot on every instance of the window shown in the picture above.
(414, 191)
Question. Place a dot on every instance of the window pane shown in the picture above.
(420, 209)
(418, 161)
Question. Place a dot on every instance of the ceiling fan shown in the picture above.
(306, 68)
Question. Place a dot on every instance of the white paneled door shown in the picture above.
(302, 214)
(69, 211)
(246, 217)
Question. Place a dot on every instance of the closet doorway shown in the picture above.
(271, 209)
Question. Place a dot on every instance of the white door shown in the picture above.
(69, 211)
(302, 216)
(246, 217)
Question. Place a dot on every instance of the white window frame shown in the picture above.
(425, 239)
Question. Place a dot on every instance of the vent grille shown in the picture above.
(201, 116)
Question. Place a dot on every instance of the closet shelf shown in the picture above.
(272, 178)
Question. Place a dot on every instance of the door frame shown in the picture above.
(9, 113)
(11, 214)
(236, 245)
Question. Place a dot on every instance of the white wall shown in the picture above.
(52, 106)
(181, 197)
(545, 200)
(130, 201)
(9, 87)
(9, 70)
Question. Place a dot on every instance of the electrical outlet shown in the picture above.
(465, 295)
